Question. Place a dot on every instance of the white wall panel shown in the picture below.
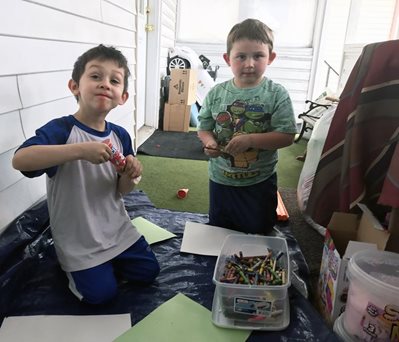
(168, 32)
(40, 41)
(167, 42)
(169, 13)
(292, 62)
(127, 121)
(24, 55)
(131, 82)
(21, 19)
(124, 116)
(288, 74)
(296, 96)
(128, 5)
(117, 16)
(44, 87)
(119, 111)
(132, 86)
(129, 53)
(35, 117)
(41, 55)
(9, 97)
(11, 133)
(168, 29)
(8, 174)
(298, 86)
(169, 22)
(299, 107)
(17, 198)
(86, 8)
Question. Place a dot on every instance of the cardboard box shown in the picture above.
(182, 86)
(345, 235)
(176, 117)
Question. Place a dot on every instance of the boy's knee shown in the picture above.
(151, 273)
(155, 271)
(100, 294)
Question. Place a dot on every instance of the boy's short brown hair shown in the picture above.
(251, 29)
(101, 52)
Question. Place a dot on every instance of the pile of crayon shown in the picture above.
(254, 270)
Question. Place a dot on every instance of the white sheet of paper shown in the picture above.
(49, 328)
(199, 238)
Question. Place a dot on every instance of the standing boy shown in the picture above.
(92, 232)
(242, 124)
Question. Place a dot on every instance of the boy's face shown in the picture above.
(248, 60)
(100, 87)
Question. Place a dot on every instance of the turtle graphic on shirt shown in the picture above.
(241, 118)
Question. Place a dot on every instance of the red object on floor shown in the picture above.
(182, 193)
(282, 213)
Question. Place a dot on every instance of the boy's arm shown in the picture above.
(211, 147)
(129, 176)
(263, 141)
(207, 138)
(39, 157)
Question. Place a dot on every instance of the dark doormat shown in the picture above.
(173, 145)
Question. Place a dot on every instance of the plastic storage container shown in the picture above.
(340, 330)
(372, 308)
(250, 306)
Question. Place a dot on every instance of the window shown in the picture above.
(209, 21)
(372, 21)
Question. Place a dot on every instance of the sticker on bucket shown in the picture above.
(381, 323)
(251, 306)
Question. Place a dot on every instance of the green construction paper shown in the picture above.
(151, 231)
(180, 319)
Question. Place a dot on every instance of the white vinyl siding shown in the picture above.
(168, 31)
(40, 42)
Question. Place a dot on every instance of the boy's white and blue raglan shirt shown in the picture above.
(89, 222)
(228, 111)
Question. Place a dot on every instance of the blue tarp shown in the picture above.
(32, 282)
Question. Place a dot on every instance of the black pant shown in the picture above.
(249, 209)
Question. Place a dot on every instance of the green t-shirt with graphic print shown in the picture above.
(228, 111)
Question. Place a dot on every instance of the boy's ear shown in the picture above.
(226, 58)
(124, 98)
(272, 56)
(73, 87)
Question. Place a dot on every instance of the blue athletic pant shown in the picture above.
(98, 284)
(249, 209)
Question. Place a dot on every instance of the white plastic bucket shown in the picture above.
(372, 308)
(340, 330)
